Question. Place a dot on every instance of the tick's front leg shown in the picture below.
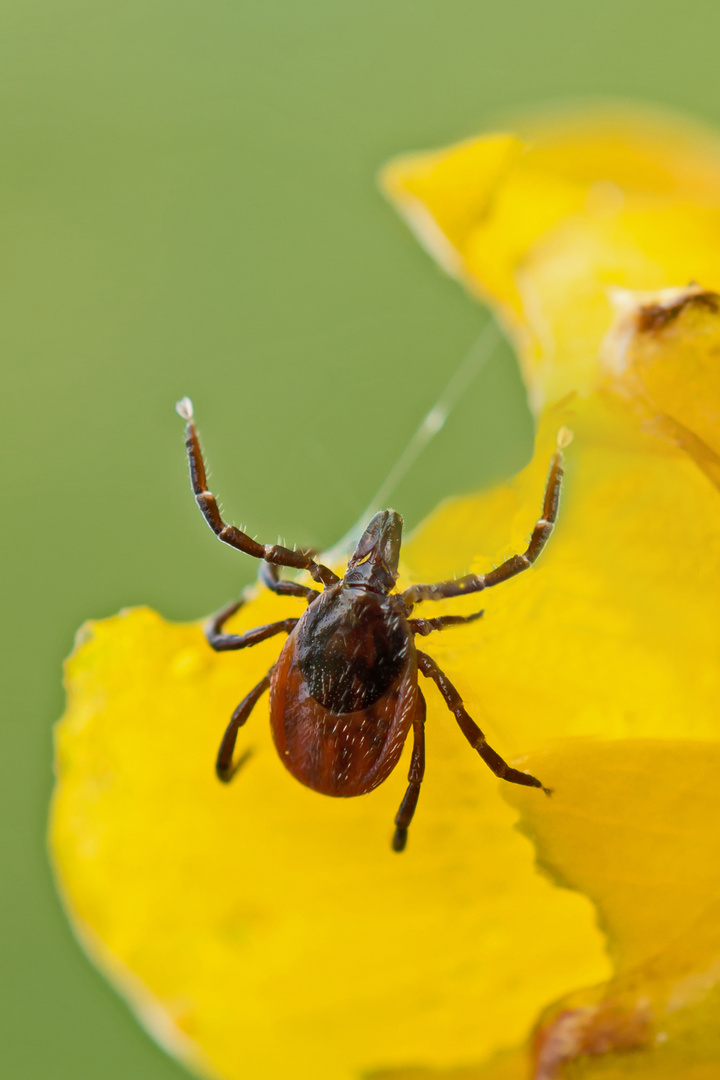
(517, 563)
(229, 534)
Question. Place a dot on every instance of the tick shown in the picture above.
(344, 691)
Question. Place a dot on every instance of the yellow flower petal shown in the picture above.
(264, 930)
(634, 826)
(273, 930)
(444, 195)
(663, 356)
(593, 203)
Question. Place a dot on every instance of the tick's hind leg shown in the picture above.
(225, 767)
(469, 728)
(415, 775)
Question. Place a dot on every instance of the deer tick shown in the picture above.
(344, 691)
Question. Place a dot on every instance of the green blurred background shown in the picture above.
(189, 207)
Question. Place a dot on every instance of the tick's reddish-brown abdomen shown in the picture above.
(344, 692)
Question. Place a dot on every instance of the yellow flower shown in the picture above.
(261, 930)
(545, 226)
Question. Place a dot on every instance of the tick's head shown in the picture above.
(375, 562)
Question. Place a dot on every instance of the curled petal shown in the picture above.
(544, 224)
(663, 358)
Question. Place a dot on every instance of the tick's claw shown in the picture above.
(548, 791)
(184, 408)
(399, 839)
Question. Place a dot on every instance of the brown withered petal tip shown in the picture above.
(652, 318)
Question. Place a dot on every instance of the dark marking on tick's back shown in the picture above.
(351, 647)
